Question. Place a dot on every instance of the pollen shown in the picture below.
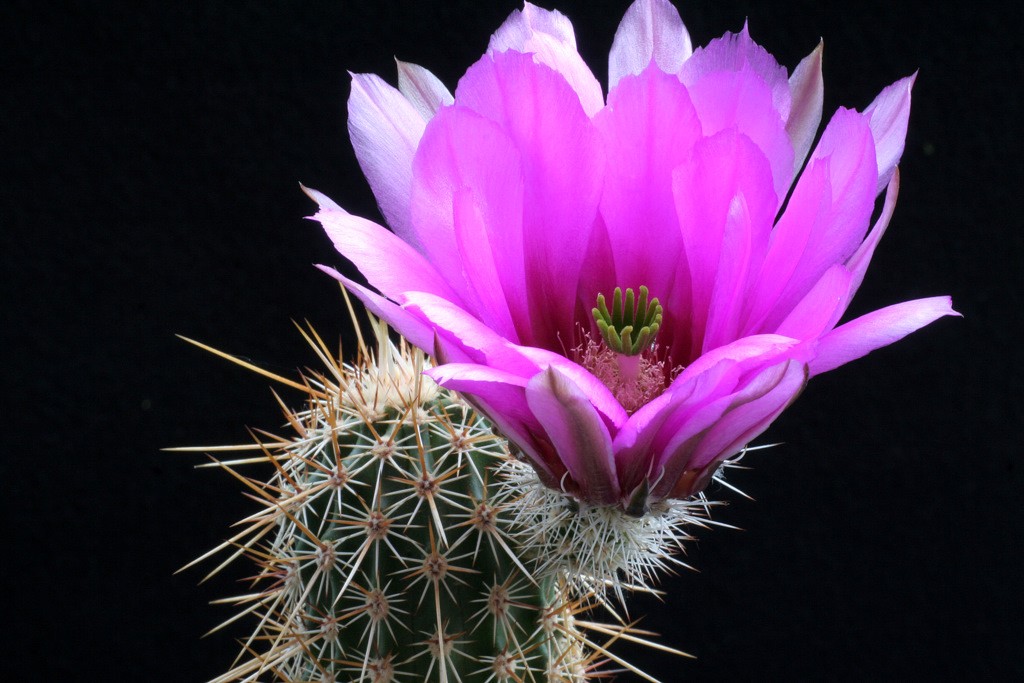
(633, 380)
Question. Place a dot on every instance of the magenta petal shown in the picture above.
(467, 207)
(820, 310)
(807, 88)
(597, 393)
(563, 170)
(577, 433)
(650, 31)
(385, 130)
(648, 129)
(874, 330)
(425, 91)
(641, 443)
(888, 115)
(721, 428)
(478, 263)
(741, 101)
(549, 36)
(752, 411)
(825, 220)
(726, 185)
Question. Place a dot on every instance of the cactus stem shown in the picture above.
(398, 540)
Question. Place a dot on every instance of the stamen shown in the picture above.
(631, 325)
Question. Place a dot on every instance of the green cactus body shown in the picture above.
(385, 547)
(394, 539)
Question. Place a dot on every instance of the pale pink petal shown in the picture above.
(385, 129)
(874, 330)
(323, 201)
(388, 263)
(409, 326)
(468, 190)
(738, 53)
(858, 263)
(722, 168)
(563, 169)
(472, 337)
(888, 115)
(648, 129)
(650, 30)
(425, 91)
(825, 220)
(807, 88)
(548, 35)
(578, 434)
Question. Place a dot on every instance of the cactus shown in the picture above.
(398, 540)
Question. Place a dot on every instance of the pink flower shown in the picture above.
(524, 199)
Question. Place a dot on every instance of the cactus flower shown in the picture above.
(632, 287)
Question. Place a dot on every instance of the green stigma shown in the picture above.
(631, 325)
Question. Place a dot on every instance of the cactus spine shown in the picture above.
(398, 540)
(384, 543)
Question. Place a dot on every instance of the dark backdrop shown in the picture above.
(152, 154)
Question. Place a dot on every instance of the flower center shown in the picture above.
(626, 362)
(631, 325)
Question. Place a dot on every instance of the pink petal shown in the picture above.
(578, 434)
(472, 337)
(735, 82)
(641, 443)
(721, 428)
(548, 35)
(563, 168)
(597, 393)
(888, 115)
(648, 129)
(502, 397)
(477, 256)
(806, 87)
(650, 30)
(753, 410)
(726, 184)
(820, 310)
(467, 207)
(385, 130)
(858, 263)
(425, 91)
(863, 335)
(825, 220)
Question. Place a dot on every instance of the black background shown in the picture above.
(152, 153)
